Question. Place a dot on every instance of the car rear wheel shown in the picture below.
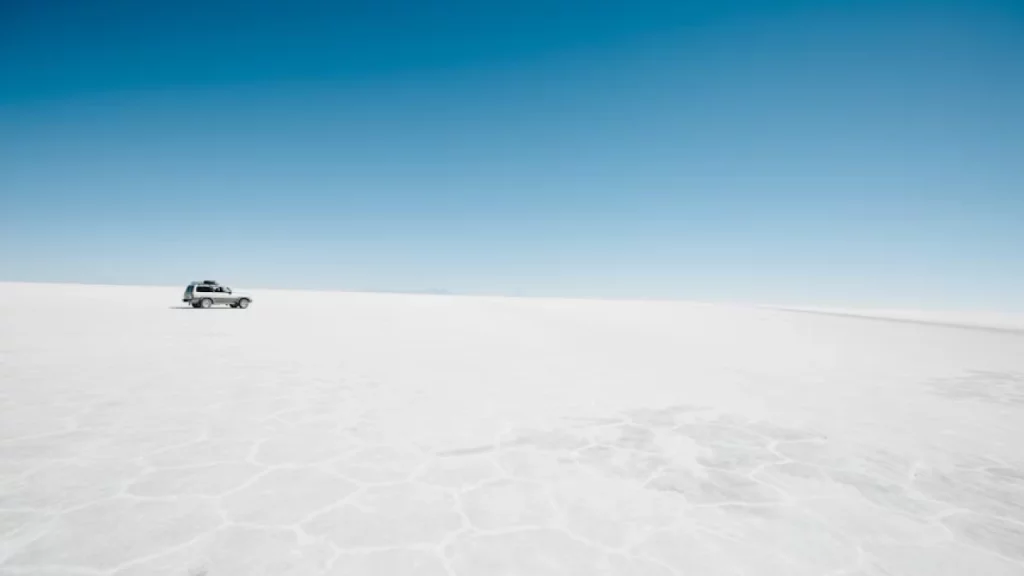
(243, 303)
(205, 303)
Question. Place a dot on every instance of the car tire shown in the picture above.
(243, 303)
(205, 303)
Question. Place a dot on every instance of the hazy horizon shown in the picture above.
(862, 154)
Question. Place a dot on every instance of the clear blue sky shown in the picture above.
(817, 152)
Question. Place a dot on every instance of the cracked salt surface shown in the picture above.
(360, 434)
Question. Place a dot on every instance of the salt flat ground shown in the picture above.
(363, 434)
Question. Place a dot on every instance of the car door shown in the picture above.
(221, 295)
(202, 291)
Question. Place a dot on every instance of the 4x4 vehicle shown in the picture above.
(208, 293)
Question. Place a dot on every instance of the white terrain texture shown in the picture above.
(368, 434)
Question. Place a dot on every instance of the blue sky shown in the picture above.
(844, 153)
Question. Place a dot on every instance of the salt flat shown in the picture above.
(368, 434)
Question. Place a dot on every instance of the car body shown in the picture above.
(208, 293)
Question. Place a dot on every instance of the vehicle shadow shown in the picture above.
(191, 308)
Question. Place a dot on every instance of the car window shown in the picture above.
(204, 289)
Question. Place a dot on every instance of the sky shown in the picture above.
(847, 153)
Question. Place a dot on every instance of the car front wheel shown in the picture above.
(243, 303)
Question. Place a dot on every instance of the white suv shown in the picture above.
(207, 293)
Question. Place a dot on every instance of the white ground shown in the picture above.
(392, 435)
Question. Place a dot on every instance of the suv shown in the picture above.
(206, 293)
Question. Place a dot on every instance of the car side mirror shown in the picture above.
(228, 290)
